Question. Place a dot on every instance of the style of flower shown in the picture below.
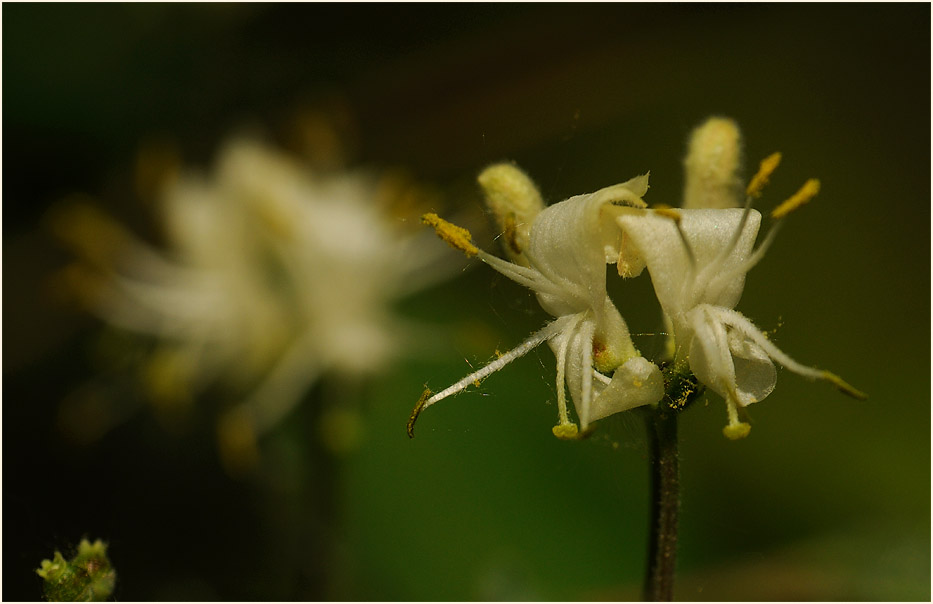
(564, 263)
(698, 259)
(274, 276)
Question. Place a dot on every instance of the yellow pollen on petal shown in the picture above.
(765, 170)
(807, 192)
(455, 236)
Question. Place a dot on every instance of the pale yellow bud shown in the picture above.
(514, 201)
(713, 165)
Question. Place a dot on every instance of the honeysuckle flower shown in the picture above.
(568, 247)
(698, 260)
(273, 276)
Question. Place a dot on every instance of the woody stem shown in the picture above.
(665, 505)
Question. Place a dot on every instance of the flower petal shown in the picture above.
(728, 360)
(636, 383)
(679, 284)
(709, 354)
(755, 375)
(572, 241)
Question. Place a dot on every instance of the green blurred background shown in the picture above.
(828, 498)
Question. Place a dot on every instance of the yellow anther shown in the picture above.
(807, 192)
(765, 170)
(417, 411)
(844, 386)
(566, 431)
(455, 236)
(736, 431)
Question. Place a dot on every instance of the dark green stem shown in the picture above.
(665, 505)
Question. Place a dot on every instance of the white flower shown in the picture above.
(568, 248)
(698, 259)
(273, 276)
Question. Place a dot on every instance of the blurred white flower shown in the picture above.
(564, 263)
(273, 275)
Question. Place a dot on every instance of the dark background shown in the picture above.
(827, 499)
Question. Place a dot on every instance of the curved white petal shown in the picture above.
(636, 383)
(710, 234)
(709, 354)
(755, 375)
(732, 364)
(572, 241)
(741, 324)
(574, 342)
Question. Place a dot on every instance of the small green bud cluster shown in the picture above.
(87, 577)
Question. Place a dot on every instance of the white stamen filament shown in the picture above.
(586, 334)
(745, 327)
(732, 406)
(563, 417)
(605, 379)
(749, 263)
(530, 278)
(711, 272)
(542, 335)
